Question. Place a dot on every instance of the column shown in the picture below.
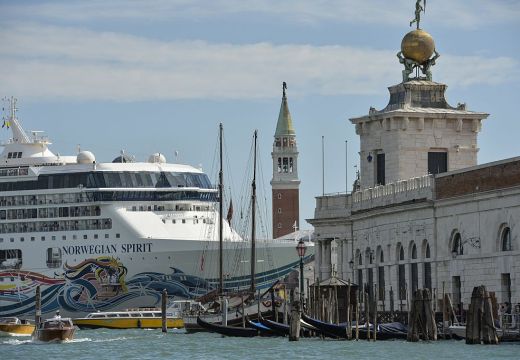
(317, 259)
(327, 264)
(340, 259)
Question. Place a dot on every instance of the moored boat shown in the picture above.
(279, 328)
(227, 330)
(140, 318)
(388, 331)
(54, 329)
(13, 326)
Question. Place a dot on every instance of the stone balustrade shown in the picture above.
(341, 204)
(394, 193)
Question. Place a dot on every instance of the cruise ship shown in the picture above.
(109, 236)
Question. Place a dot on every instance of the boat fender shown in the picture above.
(138, 323)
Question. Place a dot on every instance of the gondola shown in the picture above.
(330, 330)
(262, 329)
(227, 330)
(389, 331)
(280, 329)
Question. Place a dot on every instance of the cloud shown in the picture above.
(61, 62)
(451, 13)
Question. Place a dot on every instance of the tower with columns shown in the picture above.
(285, 183)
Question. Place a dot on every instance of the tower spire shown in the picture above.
(285, 182)
(284, 125)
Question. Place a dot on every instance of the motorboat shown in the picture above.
(13, 326)
(55, 329)
(140, 318)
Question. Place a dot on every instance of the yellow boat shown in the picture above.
(142, 318)
(12, 326)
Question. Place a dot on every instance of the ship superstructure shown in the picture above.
(107, 236)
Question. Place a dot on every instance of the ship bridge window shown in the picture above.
(10, 259)
(54, 257)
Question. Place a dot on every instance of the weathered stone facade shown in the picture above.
(447, 230)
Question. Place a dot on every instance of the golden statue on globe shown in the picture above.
(417, 48)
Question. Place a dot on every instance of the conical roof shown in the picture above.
(284, 125)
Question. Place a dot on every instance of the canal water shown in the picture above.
(152, 344)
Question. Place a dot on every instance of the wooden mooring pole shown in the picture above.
(37, 306)
(375, 311)
(443, 313)
(163, 310)
(349, 317)
(480, 326)
(367, 311)
(422, 319)
(294, 327)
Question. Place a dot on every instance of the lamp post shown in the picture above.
(301, 248)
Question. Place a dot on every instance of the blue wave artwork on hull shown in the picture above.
(101, 284)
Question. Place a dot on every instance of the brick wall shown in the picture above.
(492, 177)
(290, 211)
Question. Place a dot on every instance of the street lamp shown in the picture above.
(301, 248)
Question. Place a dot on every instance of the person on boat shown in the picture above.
(58, 316)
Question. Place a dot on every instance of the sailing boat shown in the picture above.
(208, 320)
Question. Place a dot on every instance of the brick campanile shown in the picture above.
(285, 183)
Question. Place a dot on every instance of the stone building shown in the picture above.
(425, 215)
(285, 183)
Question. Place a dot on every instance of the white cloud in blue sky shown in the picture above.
(62, 61)
(450, 12)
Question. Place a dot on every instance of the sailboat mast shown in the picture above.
(221, 221)
(253, 218)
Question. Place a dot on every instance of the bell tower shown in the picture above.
(285, 183)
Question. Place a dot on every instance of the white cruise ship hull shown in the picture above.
(117, 274)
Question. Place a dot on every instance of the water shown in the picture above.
(152, 344)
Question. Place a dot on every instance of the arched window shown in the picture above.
(359, 259)
(381, 273)
(414, 270)
(506, 239)
(457, 247)
(401, 253)
(413, 251)
(427, 253)
(370, 255)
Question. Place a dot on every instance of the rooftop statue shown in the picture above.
(418, 9)
(418, 52)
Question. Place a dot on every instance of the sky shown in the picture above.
(160, 75)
